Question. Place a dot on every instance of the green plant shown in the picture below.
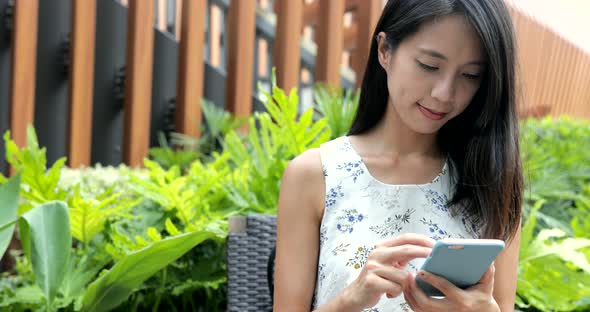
(337, 106)
(555, 247)
(40, 184)
(554, 272)
(45, 235)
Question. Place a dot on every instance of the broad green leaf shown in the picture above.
(114, 286)
(8, 207)
(50, 242)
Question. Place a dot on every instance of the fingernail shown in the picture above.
(422, 273)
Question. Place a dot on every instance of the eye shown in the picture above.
(472, 76)
(427, 67)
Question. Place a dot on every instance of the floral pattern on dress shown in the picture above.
(323, 236)
(393, 225)
(321, 273)
(342, 248)
(354, 168)
(437, 200)
(348, 220)
(360, 257)
(436, 232)
(332, 195)
(346, 146)
(385, 197)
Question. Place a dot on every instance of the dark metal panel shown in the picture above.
(107, 115)
(4, 78)
(51, 82)
(164, 85)
(214, 88)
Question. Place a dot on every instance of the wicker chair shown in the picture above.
(250, 258)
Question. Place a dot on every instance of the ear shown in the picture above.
(383, 51)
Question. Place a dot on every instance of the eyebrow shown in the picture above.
(441, 56)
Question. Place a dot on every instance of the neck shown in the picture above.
(391, 135)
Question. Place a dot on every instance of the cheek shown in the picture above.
(465, 98)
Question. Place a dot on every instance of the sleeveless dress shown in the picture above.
(361, 211)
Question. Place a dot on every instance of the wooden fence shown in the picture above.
(555, 73)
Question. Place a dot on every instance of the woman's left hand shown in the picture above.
(476, 298)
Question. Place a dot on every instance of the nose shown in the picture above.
(444, 90)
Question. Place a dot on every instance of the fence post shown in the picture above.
(24, 52)
(330, 41)
(138, 81)
(81, 82)
(191, 68)
(287, 52)
(240, 66)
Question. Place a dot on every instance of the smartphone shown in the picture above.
(463, 262)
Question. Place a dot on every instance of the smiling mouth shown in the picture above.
(431, 114)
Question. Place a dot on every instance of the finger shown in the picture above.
(410, 300)
(401, 254)
(488, 276)
(424, 302)
(447, 288)
(408, 239)
(487, 280)
(385, 286)
(399, 277)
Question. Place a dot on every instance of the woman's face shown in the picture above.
(433, 74)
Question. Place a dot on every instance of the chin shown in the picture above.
(426, 128)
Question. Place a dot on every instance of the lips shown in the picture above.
(431, 114)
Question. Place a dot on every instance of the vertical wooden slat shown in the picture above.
(330, 41)
(138, 81)
(367, 13)
(81, 82)
(286, 52)
(191, 68)
(241, 34)
(24, 48)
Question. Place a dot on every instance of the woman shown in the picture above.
(432, 154)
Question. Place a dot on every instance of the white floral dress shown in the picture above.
(361, 211)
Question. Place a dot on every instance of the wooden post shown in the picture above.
(367, 13)
(287, 52)
(241, 35)
(191, 68)
(81, 82)
(330, 41)
(24, 52)
(138, 82)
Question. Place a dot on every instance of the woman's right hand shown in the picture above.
(385, 272)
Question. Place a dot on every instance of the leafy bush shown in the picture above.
(554, 266)
(153, 238)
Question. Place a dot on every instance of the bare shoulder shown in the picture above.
(306, 165)
(304, 178)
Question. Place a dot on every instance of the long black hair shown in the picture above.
(482, 142)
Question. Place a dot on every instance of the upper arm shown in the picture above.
(506, 274)
(298, 220)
